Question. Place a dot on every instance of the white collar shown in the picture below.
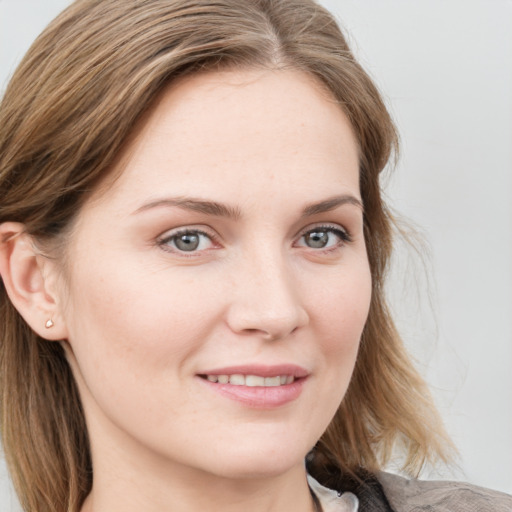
(331, 501)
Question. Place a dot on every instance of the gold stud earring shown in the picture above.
(49, 323)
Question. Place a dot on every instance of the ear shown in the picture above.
(30, 280)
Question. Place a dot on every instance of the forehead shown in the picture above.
(250, 126)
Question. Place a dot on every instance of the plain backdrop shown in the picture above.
(445, 69)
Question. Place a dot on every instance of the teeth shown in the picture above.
(237, 380)
(252, 380)
(272, 381)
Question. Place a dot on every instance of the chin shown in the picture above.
(272, 467)
(254, 461)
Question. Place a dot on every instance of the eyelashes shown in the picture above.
(192, 241)
(187, 240)
(324, 237)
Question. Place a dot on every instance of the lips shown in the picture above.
(257, 386)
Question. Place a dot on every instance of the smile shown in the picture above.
(238, 379)
(257, 386)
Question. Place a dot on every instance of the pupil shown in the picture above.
(317, 239)
(189, 242)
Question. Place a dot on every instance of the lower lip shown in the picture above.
(259, 397)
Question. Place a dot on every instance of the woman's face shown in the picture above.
(217, 290)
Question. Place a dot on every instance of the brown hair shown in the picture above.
(67, 112)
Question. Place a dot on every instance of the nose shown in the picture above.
(266, 300)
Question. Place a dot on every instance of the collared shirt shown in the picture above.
(330, 500)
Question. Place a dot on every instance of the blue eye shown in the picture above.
(323, 238)
(188, 240)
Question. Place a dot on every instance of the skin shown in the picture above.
(143, 319)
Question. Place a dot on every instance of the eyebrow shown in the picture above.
(196, 205)
(330, 204)
(233, 212)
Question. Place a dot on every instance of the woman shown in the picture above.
(193, 247)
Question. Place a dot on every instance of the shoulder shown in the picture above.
(439, 496)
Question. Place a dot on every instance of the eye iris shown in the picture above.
(317, 239)
(187, 242)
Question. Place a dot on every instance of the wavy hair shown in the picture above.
(67, 112)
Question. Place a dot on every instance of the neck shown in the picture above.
(130, 476)
(187, 492)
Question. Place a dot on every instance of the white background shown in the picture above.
(445, 68)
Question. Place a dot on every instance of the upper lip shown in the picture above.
(260, 370)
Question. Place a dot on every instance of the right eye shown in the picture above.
(186, 241)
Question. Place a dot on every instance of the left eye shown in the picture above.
(323, 238)
(188, 241)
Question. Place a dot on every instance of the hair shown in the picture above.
(69, 109)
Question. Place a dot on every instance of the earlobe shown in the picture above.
(26, 277)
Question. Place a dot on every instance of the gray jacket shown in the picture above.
(385, 492)
(428, 496)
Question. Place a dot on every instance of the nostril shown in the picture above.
(270, 308)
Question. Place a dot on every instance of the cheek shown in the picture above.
(133, 337)
(125, 324)
(341, 308)
(338, 313)
(342, 314)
